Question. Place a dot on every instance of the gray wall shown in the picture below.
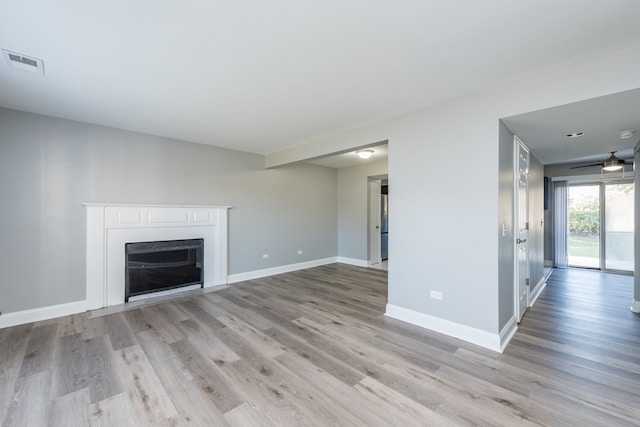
(536, 221)
(48, 167)
(548, 229)
(353, 208)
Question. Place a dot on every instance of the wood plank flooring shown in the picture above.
(313, 348)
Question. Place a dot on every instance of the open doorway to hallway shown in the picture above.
(378, 226)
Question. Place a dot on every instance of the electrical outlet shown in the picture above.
(300, 252)
(436, 295)
(265, 256)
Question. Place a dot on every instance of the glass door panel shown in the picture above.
(583, 243)
(618, 226)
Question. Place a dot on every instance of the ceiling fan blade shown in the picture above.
(586, 166)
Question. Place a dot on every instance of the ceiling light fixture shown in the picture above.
(364, 154)
(613, 163)
(574, 135)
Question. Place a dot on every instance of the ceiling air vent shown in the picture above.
(23, 62)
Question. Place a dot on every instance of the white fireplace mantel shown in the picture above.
(110, 226)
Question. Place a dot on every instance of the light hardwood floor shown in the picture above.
(313, 348)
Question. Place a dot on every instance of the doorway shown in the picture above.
(375, 246)
(378, 221)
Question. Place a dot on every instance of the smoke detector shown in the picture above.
(22, 62)
(626, 134)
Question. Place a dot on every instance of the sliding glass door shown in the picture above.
(583, 243)
(618, 226)
(601, 226)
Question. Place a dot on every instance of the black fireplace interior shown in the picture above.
(158, 266)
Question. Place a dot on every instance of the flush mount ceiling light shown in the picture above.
(23, 62)
(364, 154)
(626, 134)
(574, 135)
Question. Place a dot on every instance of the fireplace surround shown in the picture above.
(111, 226)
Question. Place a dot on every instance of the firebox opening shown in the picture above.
(159, 266)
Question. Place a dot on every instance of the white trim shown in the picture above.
(546, 277)
(519, 145)
(508, 332)
(353, 261)
(635, 306)
(457, 330)
(548, 263)
(129, 205)
(257, 274)
(42, 313)
(533, 296)
(110, 226)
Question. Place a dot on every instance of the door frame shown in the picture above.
(517, 143)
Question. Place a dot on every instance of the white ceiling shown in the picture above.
(600, 119)
(261, 76)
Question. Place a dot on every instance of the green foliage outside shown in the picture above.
(584, 216)
(584, 206)
(584, 222)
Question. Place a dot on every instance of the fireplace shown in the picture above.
(110, 227)
(160, 266)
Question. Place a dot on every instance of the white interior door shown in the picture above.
(375, 256)
(521, 215)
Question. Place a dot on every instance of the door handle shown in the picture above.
(520, 241)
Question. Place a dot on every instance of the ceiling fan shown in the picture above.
(611, 164)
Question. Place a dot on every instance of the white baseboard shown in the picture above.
(635, 306)
(508, 332)
(466, 333)
(548, 263)
(43, 313)
(353, 261)
(257, 274)
(549, 273)
(533, 296)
